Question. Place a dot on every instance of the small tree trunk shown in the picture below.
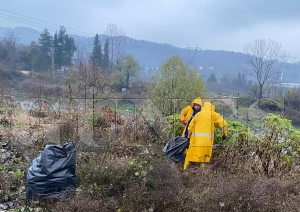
(260, 91)
(127, 81)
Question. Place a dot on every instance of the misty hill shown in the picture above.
(151, 55)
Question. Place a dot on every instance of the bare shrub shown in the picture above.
(66, 132)
(10, 78)
(244, 193)
(100, 122)
(25, 85)
(41, 110)
(131, 174)
(293, 114)
(99, 177)
(158, 190)
(134, 183)
(246, 101)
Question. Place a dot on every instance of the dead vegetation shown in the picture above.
(120, 167)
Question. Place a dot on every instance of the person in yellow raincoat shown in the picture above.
(201, 132)
(188, 112)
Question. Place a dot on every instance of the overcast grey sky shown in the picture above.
(207, 24)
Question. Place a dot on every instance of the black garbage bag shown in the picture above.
(175, 148)
(52, 174)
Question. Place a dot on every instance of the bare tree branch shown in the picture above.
(265, 61)
(116, 39)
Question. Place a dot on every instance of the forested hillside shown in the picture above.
(151, 55)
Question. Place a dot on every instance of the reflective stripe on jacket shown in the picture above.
(201, 130)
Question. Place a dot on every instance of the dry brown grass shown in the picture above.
(121, 167)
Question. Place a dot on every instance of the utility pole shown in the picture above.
(192, 57)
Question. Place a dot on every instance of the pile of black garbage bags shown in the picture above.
(52, 174)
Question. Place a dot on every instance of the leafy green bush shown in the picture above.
(278, 148)
(175, 85)
(233, 152)
(174, 127)
(273, 151)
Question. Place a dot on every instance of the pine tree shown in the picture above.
(70, 48)
(96, 56)
(64, 48)
(45, 43)
(212, 78)
(56, 53)
(59, 44)
(43, 61)
(105, 64)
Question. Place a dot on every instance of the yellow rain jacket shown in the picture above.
(187, 112)
(201, 130)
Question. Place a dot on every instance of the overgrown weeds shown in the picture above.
(120, 167)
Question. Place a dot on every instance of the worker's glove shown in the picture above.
(224, 137)
(183, 122)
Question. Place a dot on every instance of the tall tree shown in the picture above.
(26, 54)
(80, 56)
(212, 78)
(64, 48)
(58, 50)
(174, 86)
(116, 37)
(105, 64)
(240, 80)
(46, 50)
(3, 52)
(96, 56)
(9, 42)
(128, 67)
(46, 42)
(70, 48)
(265, 60)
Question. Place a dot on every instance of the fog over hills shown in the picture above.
(151, 55)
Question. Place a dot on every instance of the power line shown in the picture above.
(8, 17)
(43, 22)
(29, 17)
(36, 22)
